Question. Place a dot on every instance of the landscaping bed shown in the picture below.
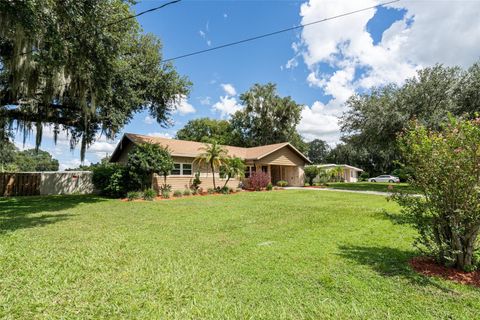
(428, 267)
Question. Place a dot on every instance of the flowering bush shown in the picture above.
(258, 181)
(446, 171)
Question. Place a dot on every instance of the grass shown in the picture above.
(371, 186)
(268, 255)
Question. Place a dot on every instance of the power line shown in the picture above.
(115, 22)
(277, 32)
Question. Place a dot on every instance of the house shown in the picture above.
(280, 161)
(348, 174)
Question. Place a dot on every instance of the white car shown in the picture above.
(385, 178)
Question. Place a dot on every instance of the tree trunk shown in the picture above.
(466, 260)
(213, 175)
(228, 179)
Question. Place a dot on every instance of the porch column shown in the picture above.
(269, 172)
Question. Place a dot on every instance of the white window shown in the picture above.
(181, 169)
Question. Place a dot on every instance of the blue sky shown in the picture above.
(319, 66)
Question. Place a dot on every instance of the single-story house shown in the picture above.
(280, 161)
(349, 173)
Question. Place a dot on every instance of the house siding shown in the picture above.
(285, 160)
(282, 157)
(182, 182)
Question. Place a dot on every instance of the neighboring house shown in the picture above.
(280, 161)
(349, 173)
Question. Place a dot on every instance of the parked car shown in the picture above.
(385, 178)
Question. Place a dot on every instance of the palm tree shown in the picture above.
(232, 167)
(214, 156)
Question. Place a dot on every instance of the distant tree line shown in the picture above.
(369, 127)
(13, 160)
(266, 118)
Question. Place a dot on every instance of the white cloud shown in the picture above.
(160, 135)
(209, 43)
(422, 38)
(226, 106)
(205, 101)
(182, 106)
(292, 63)
(202, 34)
(73, 163)
(320, 121)
(225, 15)
(229, 89)
(149, 120)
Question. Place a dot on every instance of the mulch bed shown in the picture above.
(429, 267)
(159, 198)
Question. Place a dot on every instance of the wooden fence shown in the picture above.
(20, 184)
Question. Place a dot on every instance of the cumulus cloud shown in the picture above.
(226, 106)
(149, 120)
(182, 106)
(229, 89)
(421, 38)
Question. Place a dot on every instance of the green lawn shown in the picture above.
(371, 186)
(292, 254)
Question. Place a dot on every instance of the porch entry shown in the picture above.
(278, 173)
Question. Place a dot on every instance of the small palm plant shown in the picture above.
(232, 167)
(214, 156)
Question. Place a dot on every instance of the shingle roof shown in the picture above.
(185, 148)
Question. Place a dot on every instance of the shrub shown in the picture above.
(364, 176)
(196, 183)
(210, 191)
(187, 192)
(133, 195)
(323, 176)
(224, 190)
(165, 190)
(282, 183)
(306, 184)
(110, 179)
(145, 160)
(165, 194)
(404, 173)
(232, 168)
(149, 194)
(447, 172)
(311, 172)
(177, 193)
(258, 180)
(269, 186)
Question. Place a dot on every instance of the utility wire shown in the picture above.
(277, 32)
(115, 22)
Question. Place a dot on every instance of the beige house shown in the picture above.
(349, 173)
(280, 161)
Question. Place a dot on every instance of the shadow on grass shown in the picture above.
(388, 262)
(27, 212)
(396, 218)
